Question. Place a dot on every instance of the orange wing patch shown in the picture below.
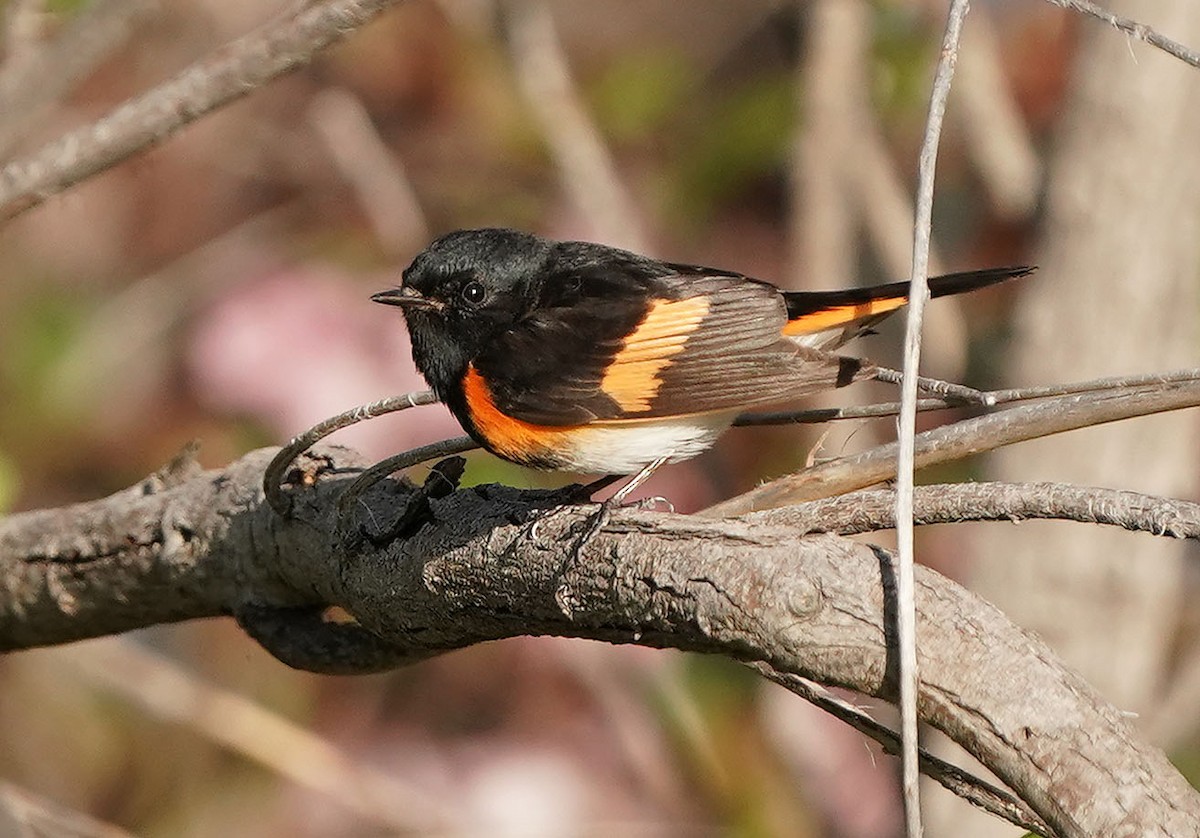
(632, 377)
(511, 438)
(830, 318)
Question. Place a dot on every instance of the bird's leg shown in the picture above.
(599, 518)
(637, 480)
(592, 526)
(578, 493)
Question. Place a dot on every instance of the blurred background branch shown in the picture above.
(35, 77)
(240, 68)
(165, 690)
(587, 169)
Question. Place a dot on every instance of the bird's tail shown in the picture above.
(827, 319)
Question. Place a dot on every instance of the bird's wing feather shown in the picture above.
(694, 344)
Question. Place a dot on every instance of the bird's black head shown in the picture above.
(463, 290)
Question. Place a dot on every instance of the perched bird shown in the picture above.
(581, 357)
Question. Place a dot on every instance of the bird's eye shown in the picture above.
(474, 292)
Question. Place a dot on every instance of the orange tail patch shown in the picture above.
(834, 316)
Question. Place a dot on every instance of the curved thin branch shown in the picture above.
(232, 72)
(297, 445)
(435, 450)
(274, 477)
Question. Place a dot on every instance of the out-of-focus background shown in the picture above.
(215, 288)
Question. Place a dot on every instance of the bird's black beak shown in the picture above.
(405, 297)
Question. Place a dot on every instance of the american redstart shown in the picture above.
(581, 357)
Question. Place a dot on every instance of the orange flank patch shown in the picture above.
(831, 318)
(632, 377)
(509, 437)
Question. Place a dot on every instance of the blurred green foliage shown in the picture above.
(41, 328)
(638, 94)
(10, 482)
(735, 141)
(904, 57)
(65, 7)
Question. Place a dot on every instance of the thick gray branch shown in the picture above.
(474, 570)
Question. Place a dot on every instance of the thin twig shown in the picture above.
(1139, 31)
(406, 459)
(936, 387)
(996, 397)
(971, 436)
(237, 69)
(978, 792)
(873, 510)
(918, 294)
(833, 414)
(273, 477)
(1118, 382)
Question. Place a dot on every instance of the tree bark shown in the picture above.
(473, 568)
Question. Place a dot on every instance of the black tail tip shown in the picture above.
(957, 283)
(1002, 273)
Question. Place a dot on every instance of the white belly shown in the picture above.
(625, 447)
